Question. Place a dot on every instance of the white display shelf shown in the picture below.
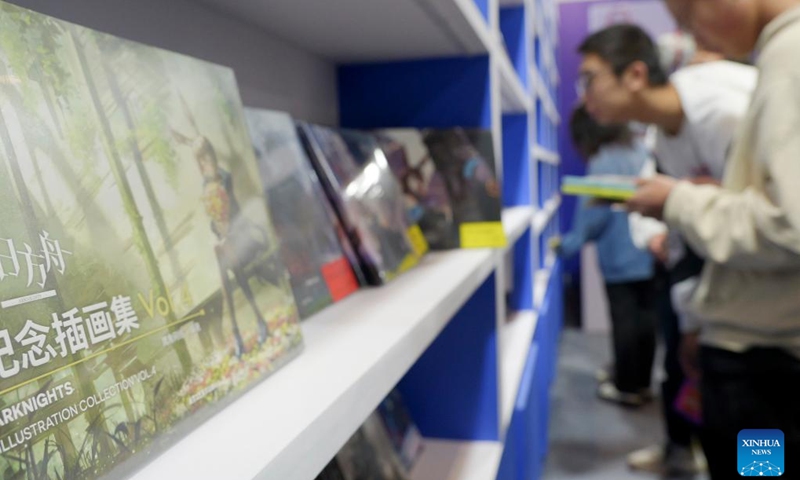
(454, 460)
(545, 155)
(291, 425)
(543, 216)
(514, 97)
(515, 221)
(369, 30)
(516, 338)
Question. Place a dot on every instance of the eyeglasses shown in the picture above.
(584, 82)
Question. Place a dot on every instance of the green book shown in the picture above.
(142, 286)
(611, 187)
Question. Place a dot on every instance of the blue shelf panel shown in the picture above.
(548, 181)
(526, 444)
(516, 164)
(483, 6)
(521, 297)
(452, 389)
(439, 93)
(515, 35)
(513, 453)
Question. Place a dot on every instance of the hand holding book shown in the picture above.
(651, 195)
(643, 195)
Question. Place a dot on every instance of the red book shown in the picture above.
(688, 402)
(340, 278)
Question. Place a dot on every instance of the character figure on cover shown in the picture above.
(241, 242)
(469, 177)
(424, 190)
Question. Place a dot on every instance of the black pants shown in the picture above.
(757, 389)
(633, 319)
(679, 430)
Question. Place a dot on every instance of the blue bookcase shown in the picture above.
(481, 389)
(470, 336)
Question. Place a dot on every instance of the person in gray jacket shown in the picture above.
(748, 229)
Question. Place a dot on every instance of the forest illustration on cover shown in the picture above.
(140, 280)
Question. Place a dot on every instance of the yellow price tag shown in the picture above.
(418, 242)
(482, 235)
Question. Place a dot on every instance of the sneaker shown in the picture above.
(671, 460)
(608, 391)
(605, 374)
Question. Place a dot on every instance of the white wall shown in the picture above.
(271, 74)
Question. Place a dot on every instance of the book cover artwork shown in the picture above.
(424, 190)
(369, 455)
(401, 429)
(368, 199)
(465, 158)
(141, 286)
(332, 471)
(320, 272)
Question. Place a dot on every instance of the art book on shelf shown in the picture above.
(320, 271)
(607, 187)
(465, 159)
(401, 429)
(424, 190)
(143, 286)
(332, 471)
(367, 198)
(369, 455)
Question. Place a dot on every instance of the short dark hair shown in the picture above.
(588, 135)
(621, 46)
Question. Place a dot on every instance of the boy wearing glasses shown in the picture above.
(694, 114)
(748, 229)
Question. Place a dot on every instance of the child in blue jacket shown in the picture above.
(627, 271)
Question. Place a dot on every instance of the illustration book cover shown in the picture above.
(332, 471)
(141, 284)
(369, 455)
(368, 200)
(320, 272)
(401, 429)
(465, 159)
(424, 190)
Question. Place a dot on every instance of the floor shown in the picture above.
(590, 438)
